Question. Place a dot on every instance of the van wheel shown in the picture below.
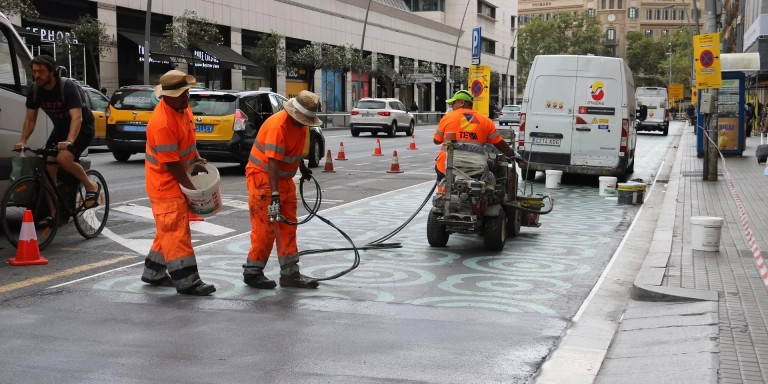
(121, 156)
(665, 131)
(355, 132)
(530, 175)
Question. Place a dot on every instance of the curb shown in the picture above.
(648, 284)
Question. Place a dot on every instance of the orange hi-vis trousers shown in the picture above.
(172, 247)
(263, 233)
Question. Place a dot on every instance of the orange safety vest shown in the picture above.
(170, 137)
(279, 138)
(470, 126)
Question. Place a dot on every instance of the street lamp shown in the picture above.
(669, 53)
(506, 75)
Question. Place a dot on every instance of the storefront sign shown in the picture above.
(48, 34)
(206, 60)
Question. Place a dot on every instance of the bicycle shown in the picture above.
(52, 206)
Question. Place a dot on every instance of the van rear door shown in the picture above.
(549, 118)
(597, 122)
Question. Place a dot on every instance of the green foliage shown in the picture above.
(190, 30)
(643, 55)
(649, 62)
(382, 68)
(23, 8)
(565, 34)
(269, 51)
(92, 33)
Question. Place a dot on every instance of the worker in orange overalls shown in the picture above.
(470, 126)
(170, 151)
(275, 157)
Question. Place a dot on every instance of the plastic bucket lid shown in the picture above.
(707, 220)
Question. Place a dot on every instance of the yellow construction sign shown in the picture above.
(706, 53)
(479, 86)
(676, 91)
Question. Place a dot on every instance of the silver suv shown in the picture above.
(381, 115)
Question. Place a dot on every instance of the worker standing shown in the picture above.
(276, 155)
(170, 151)
(470, 126)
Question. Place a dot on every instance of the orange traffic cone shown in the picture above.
(27, 251)
(341, 152)
(377, 151)
(395, 164)
(413, 143)
(193, 217)
(329, 163)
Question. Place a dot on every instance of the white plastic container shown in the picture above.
(205, 200)
(553, 178)
(607, 186)
(706, 232)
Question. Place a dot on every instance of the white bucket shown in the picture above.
(553, 178)
(706, 233)
(607, 185)
(205, 200)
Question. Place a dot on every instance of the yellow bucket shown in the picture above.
(531, 201)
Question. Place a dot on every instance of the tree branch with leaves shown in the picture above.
(23, 8)
(92, 33)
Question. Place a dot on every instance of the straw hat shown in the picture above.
(173, 83)
(304, 108)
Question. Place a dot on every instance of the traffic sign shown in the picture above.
(676, 91)
(479, 83)
(477, 44)
(706, 53)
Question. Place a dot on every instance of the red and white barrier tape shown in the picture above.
(756, 253)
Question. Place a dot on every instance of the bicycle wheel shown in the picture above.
(29, 193)
(91, 221)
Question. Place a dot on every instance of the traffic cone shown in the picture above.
(341, 152)
(27, 251)
(193, 217)
(377, 151)
(413, 143)
(329, 163)
(395, 164)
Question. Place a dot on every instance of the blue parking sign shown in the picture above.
(476, 44)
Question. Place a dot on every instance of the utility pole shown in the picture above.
(147, 23)
(712, 152)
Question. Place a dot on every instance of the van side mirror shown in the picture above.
(642, 113)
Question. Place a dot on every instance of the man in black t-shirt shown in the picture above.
(72, 129)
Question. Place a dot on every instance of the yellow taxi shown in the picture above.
(98, 103)
(127, 116)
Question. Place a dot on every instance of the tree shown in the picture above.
(315, 56)
(189, 31)
(92, 33)
(565, 34)
(643, 55)
(23, 8)
(269, 52)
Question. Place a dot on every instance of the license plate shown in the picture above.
(546, 141)
(207, 128)
(134, 128)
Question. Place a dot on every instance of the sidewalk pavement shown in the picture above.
(665, 313)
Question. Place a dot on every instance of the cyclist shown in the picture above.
(73, 125)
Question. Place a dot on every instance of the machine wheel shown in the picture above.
(355, 132)
(495, 231)
(121, 156)
(409, 132)
(514, 223)
(392, 130)
(436, 233)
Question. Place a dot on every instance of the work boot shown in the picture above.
(164, 281)
(258, 280)
(199, 289)
(297, 280)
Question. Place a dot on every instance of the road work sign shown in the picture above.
(706, 53)
(479, 86)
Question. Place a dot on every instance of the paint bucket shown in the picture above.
(553, 178)
(607, 186)
(205, 200)
(705, 233)
(531, 202)
(631, 193)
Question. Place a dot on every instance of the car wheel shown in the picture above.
(409, 132)
(314, 154)
(374, 133)
(355, 132)
(121, 156)
(495, 231)
(392, 129)
(665, 131)
(437, 236)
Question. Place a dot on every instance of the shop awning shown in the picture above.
(227, 57)
(156, 50)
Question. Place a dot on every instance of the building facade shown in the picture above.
(422, 32)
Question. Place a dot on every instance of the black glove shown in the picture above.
(273, 211)
(306, 173)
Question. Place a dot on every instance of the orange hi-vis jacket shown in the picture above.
(278, 139)
(170, 137)
(470, 126)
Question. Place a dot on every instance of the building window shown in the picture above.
(426, 5)
(620, 3)
(512, 22)
(666, 14)
(610, 34)
(664, 32)
(682, 14)
(512, 53)
(602, 4)
(610, 4)
(591, 12)
(658, 14)
(632, 13)
(648, 14)
(649, 32)
(486, 9)
(673, 15)
(611, 51)
(489, 46)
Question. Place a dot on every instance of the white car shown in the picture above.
(381, 115)
(510, 114)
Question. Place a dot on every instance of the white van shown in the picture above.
(655, 99)
(578, 116)
(14, 79)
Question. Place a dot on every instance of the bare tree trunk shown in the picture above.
(96, 69)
